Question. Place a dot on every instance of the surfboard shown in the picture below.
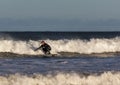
(49, 56)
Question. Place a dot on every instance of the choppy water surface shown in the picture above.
(46, 65)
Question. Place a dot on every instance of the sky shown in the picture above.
(59, 15)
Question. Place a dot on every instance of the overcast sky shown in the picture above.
(58, 11)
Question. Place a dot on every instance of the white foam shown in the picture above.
(78, 46)
(62, 79)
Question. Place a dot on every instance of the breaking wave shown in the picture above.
(107, 78)
(63, 45)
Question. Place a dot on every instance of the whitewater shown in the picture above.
(62, 79)
(64, 45)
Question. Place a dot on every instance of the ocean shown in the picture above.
(80, 58)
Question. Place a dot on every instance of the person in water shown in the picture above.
(44, 47)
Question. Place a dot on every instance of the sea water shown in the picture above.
(80, 58)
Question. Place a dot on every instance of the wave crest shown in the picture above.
(73, 46)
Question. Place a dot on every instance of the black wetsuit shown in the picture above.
(45, 48)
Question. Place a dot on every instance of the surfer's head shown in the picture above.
(42, 42)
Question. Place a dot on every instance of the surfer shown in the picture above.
(45, 48)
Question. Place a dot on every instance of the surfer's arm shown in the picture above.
(37, 48)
